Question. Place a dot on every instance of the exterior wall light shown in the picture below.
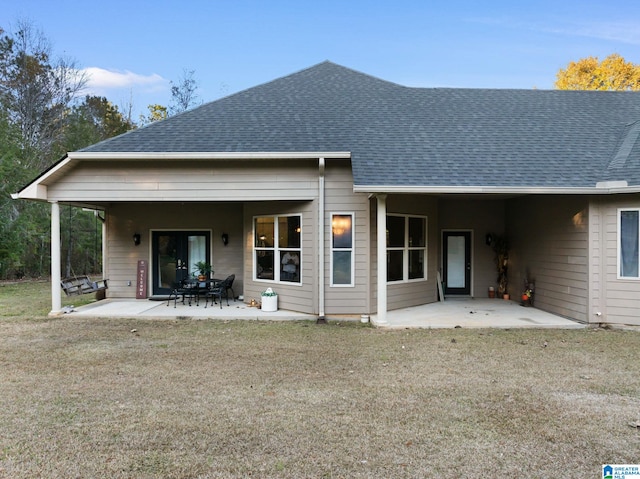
(136, 239)
(488, 239)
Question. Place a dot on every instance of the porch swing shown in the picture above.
(79, 285)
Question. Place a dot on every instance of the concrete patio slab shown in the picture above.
(143, 308)
(475, 313)
(452, 313)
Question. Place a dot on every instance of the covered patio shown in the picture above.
(452, 313)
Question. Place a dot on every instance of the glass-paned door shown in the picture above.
(457, 262)
(174, 256)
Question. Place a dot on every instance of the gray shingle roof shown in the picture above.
(401, 136)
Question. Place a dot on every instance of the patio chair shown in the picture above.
(177, 289)
(220, 290)
(231, 279)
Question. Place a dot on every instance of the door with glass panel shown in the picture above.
(456, 248)
(174, 256)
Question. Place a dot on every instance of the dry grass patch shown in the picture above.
(199, 399)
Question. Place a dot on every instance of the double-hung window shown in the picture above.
(628, 243)
(277, 252)
(406, 247)
(342, 249)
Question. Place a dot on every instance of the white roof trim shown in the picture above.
(612, 184)
(36, 190)
(599, 190)
(208, 155)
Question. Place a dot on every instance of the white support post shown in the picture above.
(321, 255)
(56, 292)
(381, 241)
(104, 245)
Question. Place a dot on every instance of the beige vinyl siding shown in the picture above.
(125, 219)
(479, 216)
(214, 180)
(617, 299)
(414, 292)
(291, 296)
(550, 245)
(339, 197)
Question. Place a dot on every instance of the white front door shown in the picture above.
(457, 262)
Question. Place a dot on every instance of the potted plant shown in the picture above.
(269, 300)
(526, 297)
(204, 268)
(527, 294)
(501, 249)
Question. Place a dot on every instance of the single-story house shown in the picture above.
(351, 195)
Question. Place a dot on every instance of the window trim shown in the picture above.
(277, 250)
(406, 249)
(352, 214)
(619, 245)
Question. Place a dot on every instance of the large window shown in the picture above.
(342, 249)
(406, 247)
(276, 247)
(628, 243)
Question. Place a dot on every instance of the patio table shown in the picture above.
(190, 290)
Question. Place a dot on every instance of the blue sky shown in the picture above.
(133, 49)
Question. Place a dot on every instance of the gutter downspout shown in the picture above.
(321, 167)
(56, 292)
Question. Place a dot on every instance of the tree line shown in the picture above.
(44, 115)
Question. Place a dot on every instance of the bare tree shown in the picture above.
(184, 94)
(37, 89)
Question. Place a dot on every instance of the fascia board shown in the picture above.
(34, 191)
(373, 189)
(37, 189)
(215, 155)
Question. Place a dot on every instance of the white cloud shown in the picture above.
(101, 80)
(127, 89)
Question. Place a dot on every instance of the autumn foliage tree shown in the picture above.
(612, 73)
(157, 112)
